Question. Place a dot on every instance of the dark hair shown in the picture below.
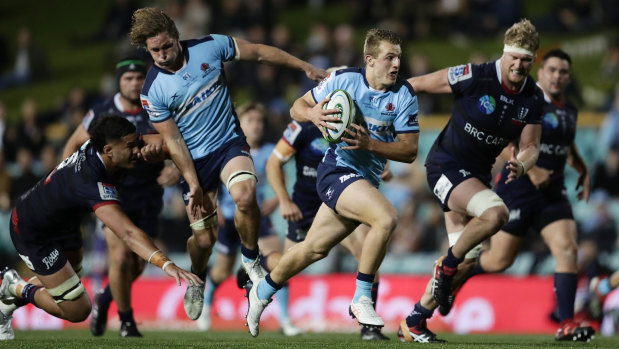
(557, 53)
(108, 130)
(130, 64)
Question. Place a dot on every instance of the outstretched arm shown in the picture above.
(431, 83)
(274, 56)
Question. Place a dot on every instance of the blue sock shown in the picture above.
(565, 289)
(604, 286)
(126, 316)
(209, 291)
(364, 286)
(374, 292)
(282, 298)
(418, 314)
(267, 289)
(248, 255)
(106, 297)
(451, 261)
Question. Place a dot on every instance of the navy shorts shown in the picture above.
(332, 180)
(229, 241)
(210, 166)
(443, 178)
(43, 251)
(532, 208)
(298, 230)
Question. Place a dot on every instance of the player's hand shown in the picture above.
(359, 139)
(514, 166)
(290, 211)
(169, 176)
(584, 182)
(196, 204)
(315, 74)
(539, 176)
(178, 274)
(320, 116)
(152, 153)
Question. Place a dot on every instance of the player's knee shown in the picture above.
(79, 314)
(204, 241)
(500, 263)
(386, 222)
(497, 216)
(246, 202)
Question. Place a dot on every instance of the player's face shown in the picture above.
(131, 84)
(124, 152)
(252, 123)
(386, 65)
(164, 50)
(515, 67)
(554, 76)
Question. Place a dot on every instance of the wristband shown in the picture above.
(524, 169)
(159, 259)
(166, 264)
(152, 254)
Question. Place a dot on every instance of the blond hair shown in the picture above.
(522, 34)
(149, 22)
(375, 36)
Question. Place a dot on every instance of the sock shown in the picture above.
(451, 261)
(478, 269)
(28, 292)
(126, 316)
(248, 255)
(106, 297)
(202, 276)
(267, 289)
(364, 286)
(418, 314)
(282, 298)
(604, 287)
(374, 292)
(209, 291)
(565, 289)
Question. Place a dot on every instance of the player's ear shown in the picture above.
(107, 148)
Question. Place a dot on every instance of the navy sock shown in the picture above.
(374, 292)
(418, 314)
(202, 276)
(126, 316)
(249, 254)
(451, 261)
(478, 268)
(272, 283)
(565, 289)
(106, 297)
(28, 292)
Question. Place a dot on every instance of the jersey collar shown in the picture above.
(549, 99)
(120, 107)
(497, 64)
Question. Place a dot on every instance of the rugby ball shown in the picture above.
(340, 99)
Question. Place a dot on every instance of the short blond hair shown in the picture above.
(522, 34)
(149, 22)
(375, 36)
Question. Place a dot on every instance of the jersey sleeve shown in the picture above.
(100, 194)
(322, 90)
(225, 46)
(537, 114)
(406, 121)
(292, 134)
(88, 119)
(155, 106)
(461, 77)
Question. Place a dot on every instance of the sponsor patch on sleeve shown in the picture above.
(292, 132)
(324, 81)
(412, 120)
(459, 73)
(442, 188)
(107, 191)
(146, 106)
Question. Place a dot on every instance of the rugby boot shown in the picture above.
(129, 329)
(288, 328)
(372, 333)
(241, 278)
(254, 270)
(204, 321)
(441, 283)
(364, 312)
(6, 321)
(9, 278)
(445, 309)
(98, 321)
(573, 331)
(596, 299)
(255, 307)
(419, 333)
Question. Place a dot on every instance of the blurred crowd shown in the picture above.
(32, 141)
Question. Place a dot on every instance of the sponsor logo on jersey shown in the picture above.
(551, 120)
(483, 137)
(51, 259)
(206, 68)
(412, 120)
(346, 177)
(26, 260)
(486, 104)
(107, 191)
(390, 107)
(464, 172)
(514, 215)
(324, 81)
(506, 100)
(319, 146)
(292, 132)
(310, 172)
(553, 149)
(459, 73)
(442, 188)
(203, 95)
(374, 100)
(146, 107)
(378, 127)
(329, 193)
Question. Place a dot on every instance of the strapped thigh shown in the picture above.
(69, 290)
(240, 176)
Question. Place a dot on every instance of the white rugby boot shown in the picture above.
(204, 321)
(254, 269)
(194, 301)
(364, 312)
(255, 307)
(6, 321)
(9, 278)
(288, 328)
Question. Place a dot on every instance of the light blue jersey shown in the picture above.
(383, 114)
(196, 96)
(260, 157)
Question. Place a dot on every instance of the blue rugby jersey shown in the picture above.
(485, 117)
(260, 157)
(383, 113)
(196, 96)
(144, 175)
(56, 205)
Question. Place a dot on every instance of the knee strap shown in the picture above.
(482, 201)
(79, 270)
(240, 176)
(69, 290)
(206, 222)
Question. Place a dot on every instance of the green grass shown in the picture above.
(271, 340)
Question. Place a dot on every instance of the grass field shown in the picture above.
(185, 339)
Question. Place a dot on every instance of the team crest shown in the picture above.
(107, 191)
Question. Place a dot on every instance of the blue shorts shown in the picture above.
(332, 180)
(43, 253)
(443, 178)
(532, 208)
(210, 166)
(229, 241)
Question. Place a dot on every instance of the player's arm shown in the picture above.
(271, 55)
(521, 162)
(114, 218)
(539, 176)
(275, 174)
(431, 83)
(79, 136)
(404, 150)
(179, 153)
(305, 109)
(575, 160)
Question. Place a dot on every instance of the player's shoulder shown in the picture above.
(194, 42)
(403, 86)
